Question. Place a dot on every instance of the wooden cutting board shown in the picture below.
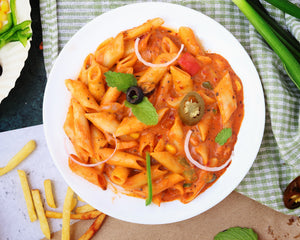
(235, 210)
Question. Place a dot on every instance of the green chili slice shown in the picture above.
(148, 165)
(191, 108)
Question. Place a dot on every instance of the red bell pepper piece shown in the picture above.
(189, 63)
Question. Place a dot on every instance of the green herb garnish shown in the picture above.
(207, 85)
(122, 81)
(148, 165)
(237, 233)
(223, 136)
(144, 111)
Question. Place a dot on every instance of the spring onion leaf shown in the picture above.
(290, 63)
(148, 165)
(13, 11)
(286, 6)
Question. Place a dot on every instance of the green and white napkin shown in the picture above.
(278, 160)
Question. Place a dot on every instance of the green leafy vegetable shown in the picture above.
(283, 34)
(286, 6)
(237, 233)
(149, 180)
(291, 65)
(223, 136)
(144, 111)
(13, 11)
(122, 81)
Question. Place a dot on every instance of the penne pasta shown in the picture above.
(153, 75)
(90, 174)
(147, 26)
(182, 81)
(169, 161)
(111, 53)
(104, 121)
(189, 40)
(95, 81)
(123, 159)
(81, 93)
(81, 128)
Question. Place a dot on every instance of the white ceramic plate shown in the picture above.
(215, 38)
(14, 54)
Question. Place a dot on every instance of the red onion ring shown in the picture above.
(196, 163)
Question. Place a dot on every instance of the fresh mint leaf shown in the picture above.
(144, 111)
(122, 81)
(237, 233)
(223, 136)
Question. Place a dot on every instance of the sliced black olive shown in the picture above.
(191, 108)
(291, 196)
(134, 95)
(1, 70)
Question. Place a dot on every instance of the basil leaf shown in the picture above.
(144, 111)
(223, 136)
(237, 233)
(122, 81)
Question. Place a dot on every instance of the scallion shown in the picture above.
(290, 63)
(149, 180)
(286, 6)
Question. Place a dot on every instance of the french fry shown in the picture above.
(74, 203)
(93, 228)
(81, 216)
(84, 208)
(66, 215)
(41, 213)
(49, 193)
(19, 157)
(27, 195)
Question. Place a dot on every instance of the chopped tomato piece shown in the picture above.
(189, 63)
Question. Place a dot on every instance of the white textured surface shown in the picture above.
(13, 55)
(15, 223)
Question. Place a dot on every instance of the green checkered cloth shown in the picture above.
(278, 160)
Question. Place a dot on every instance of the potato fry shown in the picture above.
(41, 213)
(66, 215)
(93, 228)
(49, 193)
(27, 195)
(19, 157)
(74, 203)
(84, 208)
(82, 216)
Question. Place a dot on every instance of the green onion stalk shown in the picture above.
(291, 65)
